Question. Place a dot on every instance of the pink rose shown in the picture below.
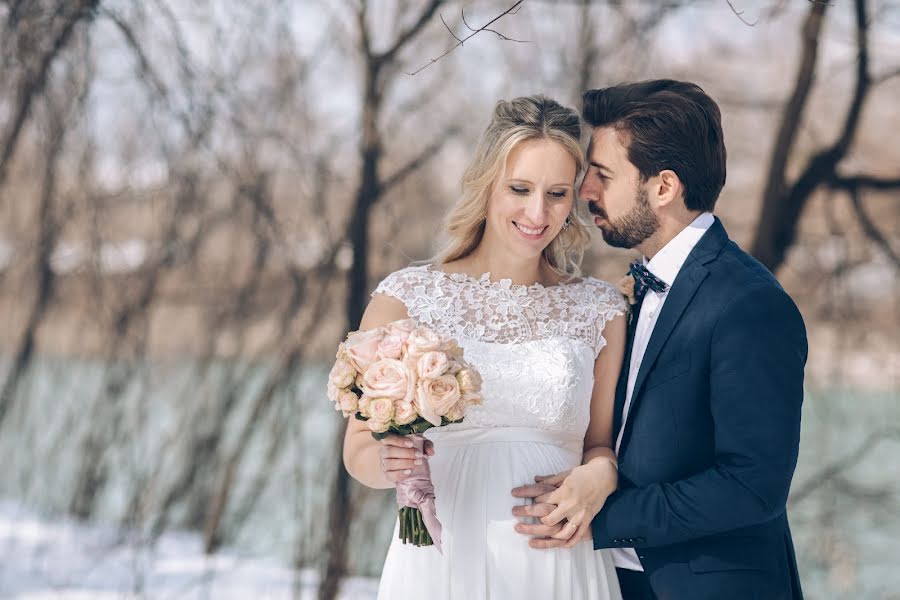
(391, 346)
(469, 381)
(389, 378)
(402, 329)
(381, 409)
(454, 367)
(432, 365)
(348, 402)
(332, 391)
(434, 397)
(342, 374)
(404, 412)
(361, 347)
(378, 426)
(422, 340)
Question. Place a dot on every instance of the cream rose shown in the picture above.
(342, 374)
(455, 413)
(422, 340)
(348, 402)
(472, 399)
(404, 412)
(381, 409)
(362, 406)
(389, 378)
(391, 346)
(434, 397)
(469, 381)
(377, 426)
(402, 329)
(332, 391)
(432, 365)
(361, 347)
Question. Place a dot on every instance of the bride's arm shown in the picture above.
(600, 438)
(363, 454)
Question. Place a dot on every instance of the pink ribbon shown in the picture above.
(417, 491)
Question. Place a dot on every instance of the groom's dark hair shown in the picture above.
(666, 124)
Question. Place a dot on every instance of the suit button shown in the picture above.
(641, 556)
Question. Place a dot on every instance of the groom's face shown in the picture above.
(614, 192)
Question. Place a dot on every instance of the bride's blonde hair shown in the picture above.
(516, 121)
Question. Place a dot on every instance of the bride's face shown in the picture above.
(532, 198)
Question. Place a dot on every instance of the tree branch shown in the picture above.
(509, 11)
(740, 13)
(419, 160)
(834, 469)
(871, 231)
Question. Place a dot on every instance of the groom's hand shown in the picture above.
(545, 536)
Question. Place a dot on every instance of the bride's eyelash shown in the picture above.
(518, 190)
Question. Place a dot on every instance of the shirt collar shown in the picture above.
(668, 262)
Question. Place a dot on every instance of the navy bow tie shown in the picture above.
(644, 280)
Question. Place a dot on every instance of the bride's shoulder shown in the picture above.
(399, 282)
(603, 293)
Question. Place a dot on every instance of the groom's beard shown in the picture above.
(633, 228)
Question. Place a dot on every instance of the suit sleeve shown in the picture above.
(758, 352)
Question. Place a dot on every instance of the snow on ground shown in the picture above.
(60, 559)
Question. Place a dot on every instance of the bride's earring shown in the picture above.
(566, 223)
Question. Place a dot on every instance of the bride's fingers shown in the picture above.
(406, 453)
(399, 464)
(538, 529)
(533, 510)
(396, 440)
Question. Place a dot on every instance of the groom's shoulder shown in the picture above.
(735, 267)
(745, 285)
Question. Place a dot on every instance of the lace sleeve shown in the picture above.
(609, 304)
(402, 285)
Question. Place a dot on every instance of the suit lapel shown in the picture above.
(689, 278)
(622, 385)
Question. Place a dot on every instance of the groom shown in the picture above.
(706, 422)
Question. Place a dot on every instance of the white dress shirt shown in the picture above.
(665, 265)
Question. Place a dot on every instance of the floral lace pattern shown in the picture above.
(533, 345)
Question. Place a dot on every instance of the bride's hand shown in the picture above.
(579, 496)
(398, 458)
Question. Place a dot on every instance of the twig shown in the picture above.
(740, 13)
(486, 27)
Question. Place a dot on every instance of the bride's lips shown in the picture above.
(530, 233)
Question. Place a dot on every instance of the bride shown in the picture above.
(548, 344)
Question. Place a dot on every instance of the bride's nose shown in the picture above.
(536, 209)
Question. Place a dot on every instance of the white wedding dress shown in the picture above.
(535, 348)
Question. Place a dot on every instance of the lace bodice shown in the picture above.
(534, 345)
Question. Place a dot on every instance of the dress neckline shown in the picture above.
(484, 280)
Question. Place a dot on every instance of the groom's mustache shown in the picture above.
(596, 210)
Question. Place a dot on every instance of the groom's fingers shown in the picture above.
(581, 535)
(533, 490)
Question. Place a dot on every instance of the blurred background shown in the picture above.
(197, 196)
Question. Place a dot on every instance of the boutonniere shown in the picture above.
(626, 287)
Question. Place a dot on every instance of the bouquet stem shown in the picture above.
(412, 528)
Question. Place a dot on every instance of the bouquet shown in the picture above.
(404, 379)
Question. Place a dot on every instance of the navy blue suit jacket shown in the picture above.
(712, 434)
